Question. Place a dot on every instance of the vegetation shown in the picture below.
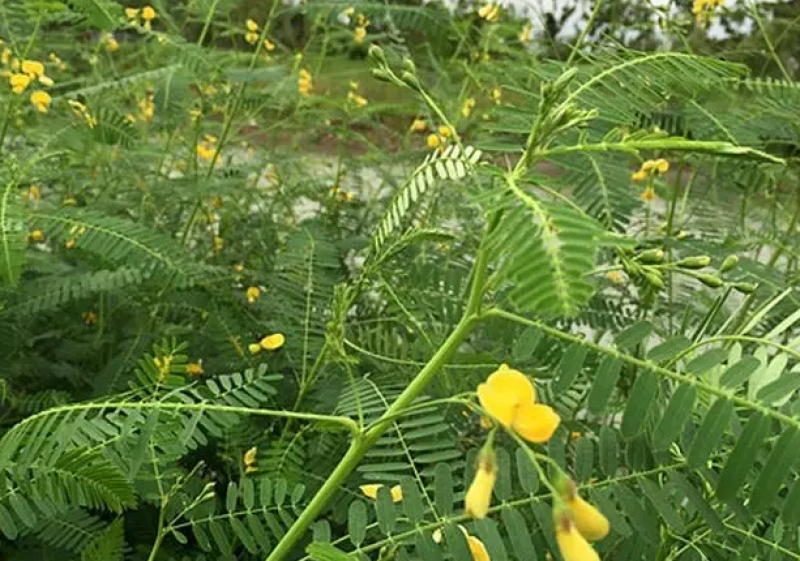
(391, 281)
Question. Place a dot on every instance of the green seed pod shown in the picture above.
(409, 66)
(712, 281)
(410, 79)
(744, 287)
(695, 262)
(651, 256)
(381, 75)
(730, 263)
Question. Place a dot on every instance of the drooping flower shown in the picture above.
(304, 82)
(34, 194)
(476, 546)
(510, 398)
(273, 342)
(41, 101)
(445, 131)
(110, 42)
(250, 459)
(252, 32)
(253, 292)
(479, 495)
(650, 168)
(572, 545)
(589, 521)
(489, 12)
(648, 195)
(132, 13)
(371, 491)
(269, 45)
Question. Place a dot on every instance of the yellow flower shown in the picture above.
(371, 491)
(359, 34)
(358, 100)
(32, 68)
(639, 176)
(250, 459)
(41, 100)
(111, 43)
(238, 267)
(253, 293)
(478, 550)
(34, 194)
(19, 82)
(445, 131)
(89, 317)
(148, 13)
(497, 95)
(254, 348)
(37, 236)
(479, 494)
(509, 396)
(251, 37)
(195, 368)
(269, 45)
(132, 13)
(525, 34)
(251, 25)
(419, 125)
(648, 194)
(661, 165)
(304, 82)
(467, 107)
(616, 277)
(589, 521)
(349, 11)
(273, 342)
(572, 545)
(434, 141)
(489, 12)
(46, 81)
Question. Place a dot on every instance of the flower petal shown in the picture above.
(514, 383)
(397, 493)
(498, 405)
(535, 423)
(477, 549)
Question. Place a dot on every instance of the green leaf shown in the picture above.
(744, 455)
(710, 432)
(780, 463)
(641, 519)
(669, 349)
(791, 506)
(412, 500)
(738, 373)
(570, 367)
(320, 551)
(518, 535)
(661, 501)
(676, 414)
(7, 524)
(641, 397)
(604, 384)
(385, 510)
(619, 525)
(780, 390)
(443, 489)
(526, 473)
(609, 451)
(706, 361)
(584, 459)
(696, 499)
(357, 521)
(526, 344)
(107, 546)
(456, 543)
(491, 538)
(630, 337)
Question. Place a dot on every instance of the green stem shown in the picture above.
(160, 534)
(576, 47)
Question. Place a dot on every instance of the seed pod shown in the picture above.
(651, 256)
(744, 287)
(654, 278)
(730, 263)
(694, 262)
(712, 281)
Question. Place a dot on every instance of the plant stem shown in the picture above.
(577, 46)
(160, 530)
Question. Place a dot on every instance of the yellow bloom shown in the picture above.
(661, 165)
(509, 396)
(253, 293)
(589, 521)
(467, 107)
(269, 45)
(238, 267)
(195, 368)
(639, 176)
(37, 236)
(572, 545)
(445, 131)
(349, 11)
(371, 491)
(254, 348)
(70, 201)
(479, 494)
(525, 34)
(32, 68)
(251, 25)
(111, 43)
(19, 82)
(478, 550)
(131, 13)
(34, 194)
(434, 141)
(205, 151)
(46, 81)
(648, 194)
(497, 95)
(304, 82)
(251, 37)
(89, 317)
(358, 100)
(616, 277)
(273, 342)
(70, 243)
(148, 13)
(359, 34)
(489, 12)
(250, 459)
(419, 125)
(41, 100)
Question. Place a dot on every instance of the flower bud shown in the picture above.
(376, 54)
(572, 545)
(695, 262)
(654, 278)
(744, 287)
(479, 494)
(651, 256)
(712, 281)
(730, 263)
(590, 522)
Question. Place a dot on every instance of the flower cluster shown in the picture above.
(439, 140)
(467, 107)
(207, 147)
(490, 12)
(82, 112)
(141, 18)
(22, 74)
(251, 36)
(304, 82)
(650, 168)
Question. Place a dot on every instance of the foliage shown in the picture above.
(249, 270)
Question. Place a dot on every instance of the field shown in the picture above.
(395, 281)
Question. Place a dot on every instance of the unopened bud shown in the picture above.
(695, 262)
(730, 263)
(712, 281)
(651, 256)
(654, 278)
(376, 54)
(744, 287)
(409, 66)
